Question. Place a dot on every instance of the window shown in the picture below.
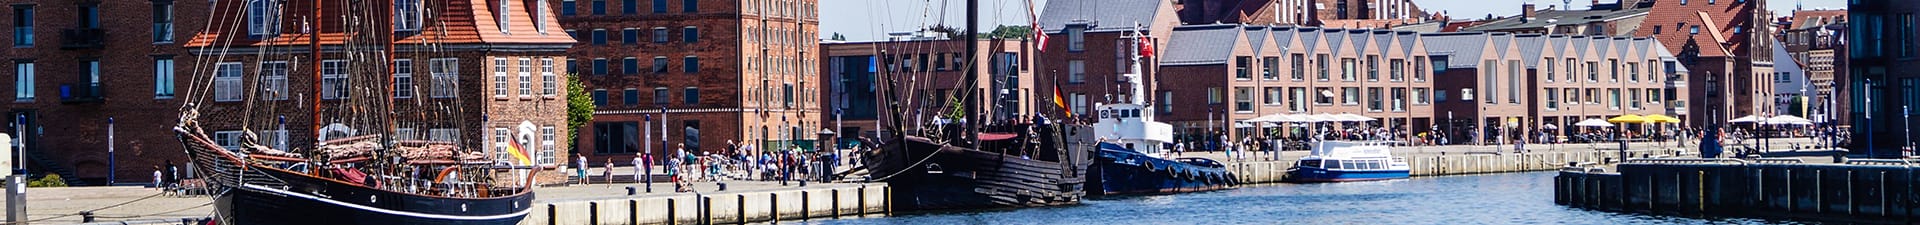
(691, 63)
(661, 97)
(1299, 67)
(1325, 96)
(263, 19)
(226, 82)
(1693, 30)
(1347, 70)
(1350, 96)
(446, 76)
(1213, 95)
(1322, 61)
(526, 77)
(617, 137)
(659, 6)
(274, 74)
(23, 82)
(690, 6)
(1243, 99)
(691, 96)
(1419, 68)
(227, 139)
(1269, 68)
(1420, 96)
(599, 66)
(1593, 96)
(1076, 71)
(690, 34)
(1076, 38)
(599, 97)
(499, 77)
(659, 35)
(690, 133)
(600, 7)
(1656, 29)
(1572, 96)
(598, 36)
(659, 64)
(787, 94)
(504, 17)
(632, 96)
(1373, 99)
(91, 67)
(402, 78)
(568, 8)
(1396, 69)
(1399, 99)
(1079, 104)
(1296, 99)
(1633, 100)
(1439, 65)
(407, 15)
(1166, 102)
(1466, 95)
(1373, 68)
(539, 16)
(333, 76)
(548, 80)
(162, 21)
(1552, 99)
(1613, 70)
(546, 155)
(1633, 72)
(1240, 70)
(1271, 97)
(1570, 69)
(23, 26)
(500, 144)
(1593, 71)
(1513, 81)
(1440, 95)
(1613, 98)
(1548, 69)
(630, 65)
(89, 15)
(1488, 80)
(162, 78)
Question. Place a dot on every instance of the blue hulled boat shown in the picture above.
(1129, 159)
(1333, 161)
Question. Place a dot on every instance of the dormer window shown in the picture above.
(540, 17)
(501, 14)
(406, 16)
(262, 21)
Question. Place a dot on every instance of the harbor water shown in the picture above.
(1507, 198)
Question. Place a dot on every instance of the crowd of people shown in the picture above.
(735, 162)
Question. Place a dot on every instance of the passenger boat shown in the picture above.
(1132, 146)
(1334, 161)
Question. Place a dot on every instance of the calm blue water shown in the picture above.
(1512, 198)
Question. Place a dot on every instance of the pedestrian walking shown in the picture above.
(608, 173)
(580, 168)
(637, 166)
(156, 178)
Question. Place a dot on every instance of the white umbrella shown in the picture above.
(1593, 123)
(1787, 120)
(1274, 118)
(1746, 119)
(1242, 125)
(1549, 127)
(1323, 117)
(1355, 117)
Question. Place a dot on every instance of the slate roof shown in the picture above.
(1201, 45)
(1359, 41)
(1406, 41)
(1500, 44)
(1335, 38)
(1546, 18)
(1106, 16)
(1383, 39)
(1257, 37)
(1282, 36)
(1309, 38)
(1460, 45)
(1531, 47)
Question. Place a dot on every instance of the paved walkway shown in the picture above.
(1775, 144)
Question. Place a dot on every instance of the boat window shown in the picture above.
(1104, 114)
(1333, 164)
(1310, 163)
(1133, 113)
(1374, 164)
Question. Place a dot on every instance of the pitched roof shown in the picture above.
(1406, 41)
(1463, 45)
(1804, 19)
(1359, 41)
(1335, 38)
(1548, 18)
(1531, 46)
(1500, 43)
(1383, 39)
(1104, 16)
(1282, 36)
(1257, 37)
(1310, 38)
(1201, 45)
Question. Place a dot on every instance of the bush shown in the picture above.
(50, 180)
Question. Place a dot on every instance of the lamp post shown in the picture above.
(647, 166)
(112, 165)
(1869, 117)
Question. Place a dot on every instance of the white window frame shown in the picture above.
(333, 79)
(549, 82)
(547, 151)
(407, 15)
(500, 77)
(446, 76)
(499, 144)
(276, 139)
(274, 77)
(503, 17)
(403, 86)
(229, 139)
(227, 86)
(162, 78)
(526, 77)
(261, 18)
(443, 134)
(23, 83)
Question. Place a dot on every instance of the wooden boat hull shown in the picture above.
(925, 175)
(1120, 171)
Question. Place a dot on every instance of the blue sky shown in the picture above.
(872, 19)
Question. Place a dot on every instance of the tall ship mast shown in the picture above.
(1133, 153)
(353, 112)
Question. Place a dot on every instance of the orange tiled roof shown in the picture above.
(453, 22)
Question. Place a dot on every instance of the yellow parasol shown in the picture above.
(1629, 118)
(1657, 118)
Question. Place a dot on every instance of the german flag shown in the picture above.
(1060, 101)
(519, 153)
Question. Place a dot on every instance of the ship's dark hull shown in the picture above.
(925, 175)
(1120, 171)
(313, 201)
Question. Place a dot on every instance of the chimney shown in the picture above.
(1526, 12)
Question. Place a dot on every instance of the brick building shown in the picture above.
(1297, 12)
(75, 67)
(466, 72)
(1814, 38)
(1880, 49)
(1289, 70)
(927, 71)
(1084, 58)
(740, 71)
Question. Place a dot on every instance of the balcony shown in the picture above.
(81, 93)
(83, 38)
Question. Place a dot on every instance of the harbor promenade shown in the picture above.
(1268, 167)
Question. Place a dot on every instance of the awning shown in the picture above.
(1628, 118)
(1593, 123)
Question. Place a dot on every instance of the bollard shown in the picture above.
(630, 190)
(723, 185)
(86, 216)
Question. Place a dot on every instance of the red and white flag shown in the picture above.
(1039, 35)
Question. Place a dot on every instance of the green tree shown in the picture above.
(1010, 32)
(579, 109)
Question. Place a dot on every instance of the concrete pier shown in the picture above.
(830, 200)
(1857, 190)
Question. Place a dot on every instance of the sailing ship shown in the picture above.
(1132, 144)
(960, 164)
(359, 161)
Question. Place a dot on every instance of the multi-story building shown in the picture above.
(1813, 38)
(1255, 71)
(84, 74)
(1598, 20)
(1880, 87)
(465, 72)
(698, 73)
(926, 76)
(1089, 48)
(1298, 12)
